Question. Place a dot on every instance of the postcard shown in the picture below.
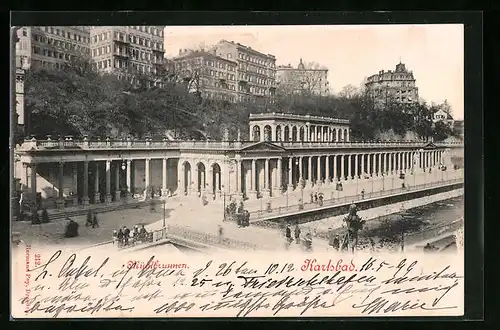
(237, 171)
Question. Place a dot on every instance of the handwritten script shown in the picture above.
(62, 284)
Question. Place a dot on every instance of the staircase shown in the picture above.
(102, 209)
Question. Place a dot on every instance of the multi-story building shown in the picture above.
(211, 76)
(393, 86)
(292, 80)
(140, 48)
(51, 45)
(442, 116)
(256, 71)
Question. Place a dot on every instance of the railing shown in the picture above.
(290, 209)
(208, 239)
(297, 117)
(34, 144)
(421, 237)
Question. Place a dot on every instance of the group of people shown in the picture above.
(317, 198)
(306, 241)
(91, 220)
(125, 237)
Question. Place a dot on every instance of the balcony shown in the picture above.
(121, 54)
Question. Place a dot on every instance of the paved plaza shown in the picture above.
(189, 212)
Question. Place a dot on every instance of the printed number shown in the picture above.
(37, 259)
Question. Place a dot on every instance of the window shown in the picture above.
(25, 33)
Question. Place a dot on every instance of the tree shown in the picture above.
(441, 131)
(349, 91)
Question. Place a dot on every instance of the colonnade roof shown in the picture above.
(297, 118)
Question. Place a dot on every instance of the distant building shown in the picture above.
(393, 86)
(51, 46)
(442, 116)
(296, 80)
(212, 76)
(114, 48)
(255, 73)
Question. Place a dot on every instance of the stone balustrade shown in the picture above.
(86, 143)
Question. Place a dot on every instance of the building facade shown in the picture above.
(393, 86)
(256, 71)
(88, 171)
(51, 46)
(442, 116)
(292, 80)
(212, 76)
(296, 128)
(116, 48)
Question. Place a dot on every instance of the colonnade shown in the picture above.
(300, 133)
(253, 177)
(112, 170)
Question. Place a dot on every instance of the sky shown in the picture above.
(434, 52)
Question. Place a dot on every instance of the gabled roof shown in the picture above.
(263, 146)
(430, 145)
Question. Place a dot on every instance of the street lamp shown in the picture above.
(403, 211)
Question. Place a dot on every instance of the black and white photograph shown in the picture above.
(206, 141)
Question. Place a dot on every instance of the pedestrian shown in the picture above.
(135, 234)
(312, 198)
(336, 242)
(115, 236)
(89, 221)
(71, 228)
(362, 193)
(220, 232)
(45, 216)
(297, 234)
(152, 206)
(126, 235)
(288, 234)
(95, 223)
(308, 242)
(120, 237)
(316, 198)
(320, 200)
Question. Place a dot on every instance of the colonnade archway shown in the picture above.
(299, 133)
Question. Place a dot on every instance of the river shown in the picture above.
(417, 225)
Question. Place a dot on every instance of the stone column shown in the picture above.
(32, 170)
(335, 174)
(349, 167)
(290, 173)
(237, 172)
(117, 180)
(301, 173)
(60, 183)
(85, 197)
(279, 178)
(362, 165)
(390, 163)
(147, 176)
(342, 173)
(309, 171)
(75, 183)
(318, 170)
(266, 190)
(253, 175)
(379, 167)
(327, 169)
(164, 188)
(129, 178)
(97, 195)
(356, 171)
(108, 182)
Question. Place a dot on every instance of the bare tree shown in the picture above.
(349, 91)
